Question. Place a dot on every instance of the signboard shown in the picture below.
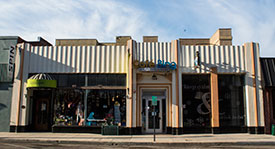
(41, 83)
(151, 66)
(11, 61)
(154, 101)
(155, 69)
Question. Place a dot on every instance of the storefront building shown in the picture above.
(9, 45)
(6, 58)
(268, 71)
(195, 85)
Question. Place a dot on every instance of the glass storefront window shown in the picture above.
(231, 100)
(107, 79)
(103, 106)
(62, 80)
(273, 102)
(69, 107)
(196, 100)
(106, 106)
(69, 80)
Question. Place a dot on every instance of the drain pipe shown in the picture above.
(20, 86)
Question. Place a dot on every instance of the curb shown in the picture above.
(268, 143)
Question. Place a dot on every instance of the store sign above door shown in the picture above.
(41, 83)
(151, 66)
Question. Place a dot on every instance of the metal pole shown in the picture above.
(85, 100)
(154, 123)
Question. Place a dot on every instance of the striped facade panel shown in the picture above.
(153, 51)
(227, 59)
(77, 59)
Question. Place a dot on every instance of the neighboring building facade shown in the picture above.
(196, 85)
(9, 45)
(268, 72)
(7, 51)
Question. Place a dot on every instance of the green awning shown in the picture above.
(41, 80)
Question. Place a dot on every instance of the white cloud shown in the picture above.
(249, 20)
(72, 19)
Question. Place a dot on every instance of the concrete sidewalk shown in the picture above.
(161, 139)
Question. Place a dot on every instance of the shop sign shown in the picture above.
(151, 66)
(41, 83)
(154, 101)
(11, 61)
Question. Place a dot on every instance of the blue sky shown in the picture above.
(250, 20)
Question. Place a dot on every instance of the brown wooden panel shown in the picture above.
(214, 98)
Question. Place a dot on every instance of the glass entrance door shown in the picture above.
(150, 113)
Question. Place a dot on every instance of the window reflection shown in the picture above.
(106, 106)
(273, 102)
(69, 107)
(107, 79)
(196, 100)
(231, 100)
(65, 80)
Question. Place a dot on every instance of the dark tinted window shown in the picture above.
(107, 79)
(69, 80)
(69, 107)
(107, 105)
(273, 102)
(196, 101)
(231, 100)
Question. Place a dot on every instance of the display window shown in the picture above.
(69, 80)
(196, 100)
(106, 107)
(69, 107)
(231, 100)
(107, 79)
(273, 102)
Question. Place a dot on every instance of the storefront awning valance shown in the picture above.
(41, 80)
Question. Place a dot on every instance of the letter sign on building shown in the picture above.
(11, 61)
(151, 66)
